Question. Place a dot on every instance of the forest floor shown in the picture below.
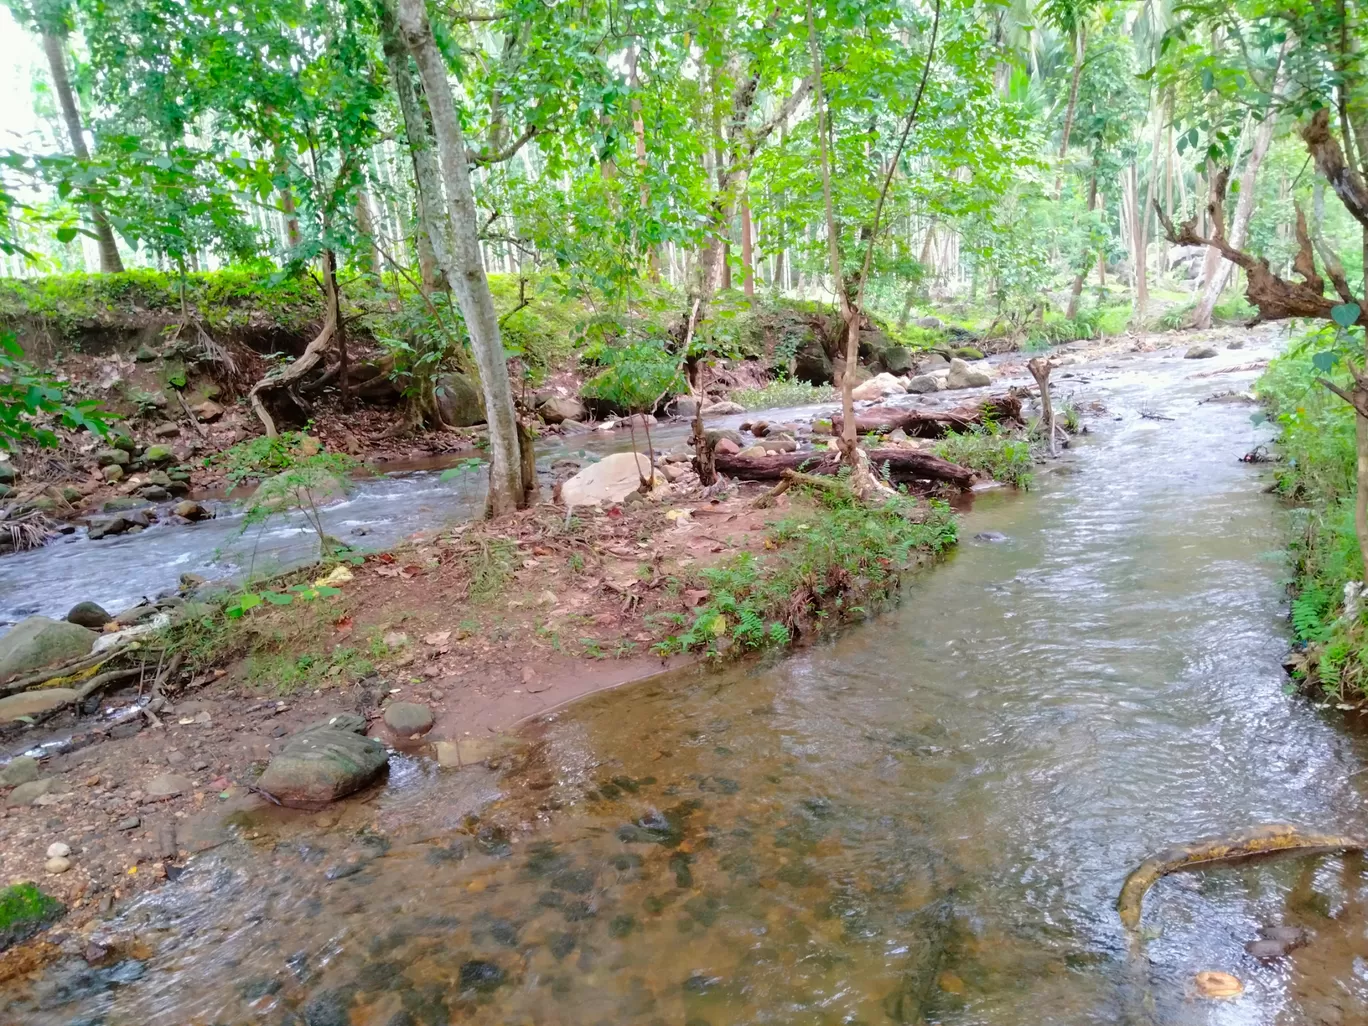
(487, 624)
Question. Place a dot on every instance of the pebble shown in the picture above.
(198, 765)
(58, 850)
(57, 865)
(131, 823)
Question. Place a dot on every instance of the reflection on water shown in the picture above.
(927, 820)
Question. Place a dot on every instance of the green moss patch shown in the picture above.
(24, 911)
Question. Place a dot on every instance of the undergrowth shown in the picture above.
(1317, 471)
(1003, 457)
(784, 393)
(821, 564)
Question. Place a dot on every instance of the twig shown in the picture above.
(200, 429)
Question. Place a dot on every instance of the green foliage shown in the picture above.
(1004, 457)
(784, 393)
(265, 455)
(824, 560)
(29, 402)
(636, 377)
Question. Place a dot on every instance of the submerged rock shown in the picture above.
(408, 718)
(39, 641)
(324, 762)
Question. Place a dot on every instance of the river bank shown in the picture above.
(508, 667)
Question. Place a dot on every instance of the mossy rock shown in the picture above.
(145, 354)
(175, 374)
(24, 911)
(158, 454)
(969, 353)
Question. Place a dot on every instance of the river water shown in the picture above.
(927, 819)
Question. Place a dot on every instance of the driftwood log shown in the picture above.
(901, 465)
(917, 423)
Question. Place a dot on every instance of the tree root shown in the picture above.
(1271, 839)
(64, 675)
(286, 377)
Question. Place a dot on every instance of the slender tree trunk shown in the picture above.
(466, 271)
(1071, 311)
(369, 253)
(1080, 49)
(639, 131)
(747, 245)
(434, 255)
(55, 48)
(335, 297)
(1244, 207)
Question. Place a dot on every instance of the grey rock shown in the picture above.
(812, 364)
(39, 641)
(191, 510)
(458, 400)
(684, 407)
(963, 376)
(155, 493)
(896, 359)
(1200, 353)
(724, 408)
(19, 770)
(168, 785)
(128, 823)
(408, 718)
(573, 427)
(930, 323)
(34, 703)
(321, 764)
(559, 409)
(112, 457)
(27, 794)
(922, 384)
(166, 429)
(89, 615)
(932, 362)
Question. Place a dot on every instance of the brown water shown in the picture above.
(926, 820)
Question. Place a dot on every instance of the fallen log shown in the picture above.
(920, 423)
(1273, 839)
(901, 465)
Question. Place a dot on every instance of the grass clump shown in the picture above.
(1317, 471)
(784, 392)
(822, 565)
(1006, 458)
(24, 910)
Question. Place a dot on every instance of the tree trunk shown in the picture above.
(1244, 207)
(901, 465)
(368, 255)
(747, 245)
(433, 252)
(1040, 370)
(466, 271)
(1080, 49)
(1071, 311)
(55, 48)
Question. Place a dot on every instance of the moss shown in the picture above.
(24, 910)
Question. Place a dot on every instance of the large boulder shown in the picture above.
(932, 362)
(90, 615)
(963, 376)
(459, 401)
(39, 641)
(323, 762)
(722, 408)
(610, 480)
(812, 364)
(896, 359)
(559, 409)
(922, 384)
(877, 387)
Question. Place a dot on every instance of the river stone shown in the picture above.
(896, 359)
(56, 865)
(39, 641)
(154, 493)
(408, 718)
(1199, 353)
(158, 454)
(168, 785)
(963, 376)
(458, 401)
(27, 794)
(610, 480)
(19, 770)
(559, 409)
(112, 458)
(321, 764)
(877, 387)
(34, 703)
(89, 615)
(190, 510)
(207, 411)
(932, 362)
(166, 429)
(922, 384)
(722, 409)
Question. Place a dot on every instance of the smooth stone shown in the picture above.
(166, 430)
(459, 400)
(56, 866)
(921, 384)
(408, 718)
(753, 452)
(726, 447)
(34, 703)
(322, 764)
(89, 615)
(207, 411)
(559, 409)
(112, 458)
(27, 794)
(1200, 353)
(128, 823)
(168, 785)
(877, 387)
(610, 480)
(961, 375)
(19, 770)
(158, 454)
(58, 850)
(190, 510)
(724, 408)
(39, 641)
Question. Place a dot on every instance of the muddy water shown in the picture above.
(927, 820)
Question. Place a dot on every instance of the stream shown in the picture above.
(927, 819)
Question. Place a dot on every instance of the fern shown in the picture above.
(1308, 615)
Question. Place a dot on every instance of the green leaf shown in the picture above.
(277, 598)
(1208, 80)
(1325, 361)
(1345, 314)
(66, 234)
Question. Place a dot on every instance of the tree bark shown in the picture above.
(1080, 49)
(1071, 311)
(55, 48)
(901, 465)
(880, 420)
(368, 258)
(466, 271)
(747, 246)
(434, 254)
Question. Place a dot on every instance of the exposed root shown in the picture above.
(296, 371)
(1271, 839)
(29, 530)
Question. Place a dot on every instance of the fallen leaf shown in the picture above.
(338, 575)
(387, 571)
(1214, 984)
(411, 571)
(386, 557)
(343, 625)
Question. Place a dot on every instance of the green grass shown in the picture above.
(24, 910)
(784, 393)
(822, 565)
(1002, 456)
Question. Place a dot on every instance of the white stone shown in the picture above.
(57, 865)
(58, 850)
(877, 387)
(961, 375)
(610, 480)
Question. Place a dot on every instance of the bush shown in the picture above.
(784, 393)
(1004, 457)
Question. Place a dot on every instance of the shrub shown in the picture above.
(1004, 457)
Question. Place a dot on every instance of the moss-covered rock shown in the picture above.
(25, 910)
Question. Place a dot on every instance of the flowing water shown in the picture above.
(928, 819)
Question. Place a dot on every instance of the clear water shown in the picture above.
(927, 820)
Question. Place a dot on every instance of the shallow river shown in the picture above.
(927, 820)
